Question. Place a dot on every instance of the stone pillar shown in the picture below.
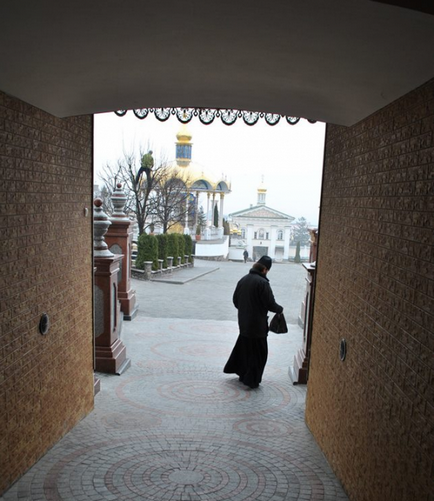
(286, 239)
(110, 352)
(208, 223)
(196, 211)
(186, 229)
(119, 238)
(147, 266)
(222, 197)
(273, 238)
(299, 370)
(249, 239)
(313, 245)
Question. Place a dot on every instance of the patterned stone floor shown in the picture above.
(174, 427)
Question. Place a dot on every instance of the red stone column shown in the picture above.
(299, 371)
(313, 245)
(110, 352)
(119, 238)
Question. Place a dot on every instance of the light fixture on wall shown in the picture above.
(343, 349)
(44, 324)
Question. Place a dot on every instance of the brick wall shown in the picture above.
(46, 382)
(373, 414)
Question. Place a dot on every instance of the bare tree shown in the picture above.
(170, 207)
(106, 196)
(155, 192)
(137, 179)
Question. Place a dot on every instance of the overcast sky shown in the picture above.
(288, 157)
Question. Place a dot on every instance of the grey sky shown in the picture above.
(288, 157)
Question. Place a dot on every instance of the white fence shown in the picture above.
(212, 233)
(212, 249)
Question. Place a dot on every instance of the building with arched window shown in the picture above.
(262, 230)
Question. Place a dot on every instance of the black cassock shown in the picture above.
(248, 359)
(253, 299)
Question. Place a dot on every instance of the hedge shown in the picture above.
(163, 245)
(147, 250)
(172, 247)
(188, 245)
(181, 247)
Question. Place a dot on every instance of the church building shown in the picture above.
(199, 182)
(265, 231)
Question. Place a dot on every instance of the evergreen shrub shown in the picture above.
(147, 251)
(297, 258)
(172, 247)
(163, 246)
(216, 216)
(188, 245)
(181, 246)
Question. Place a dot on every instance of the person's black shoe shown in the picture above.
(253, 387)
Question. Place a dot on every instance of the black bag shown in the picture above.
(278, 324)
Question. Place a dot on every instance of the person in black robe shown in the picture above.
(253, 298)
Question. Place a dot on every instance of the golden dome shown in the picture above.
(196, 173)
(193, 175)
(184, 135)
(262, 188)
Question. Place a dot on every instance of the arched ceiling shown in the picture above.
(336, 61)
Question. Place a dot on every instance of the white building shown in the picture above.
(262, 231)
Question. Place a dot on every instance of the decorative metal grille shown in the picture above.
(208, 115)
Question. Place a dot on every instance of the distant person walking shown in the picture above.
(246, 255)
(253, 298)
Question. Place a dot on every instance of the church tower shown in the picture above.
(183, 146)
(262, 193)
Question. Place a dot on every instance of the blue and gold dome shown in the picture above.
(195, 176)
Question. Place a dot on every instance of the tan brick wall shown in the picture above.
(46, 382)
(373, 415)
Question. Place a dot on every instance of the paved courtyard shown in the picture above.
(174, 427)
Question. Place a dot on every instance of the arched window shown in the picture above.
(280, 235)
(243, 232)
(261, 234)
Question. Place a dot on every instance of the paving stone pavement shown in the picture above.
(174, 427)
